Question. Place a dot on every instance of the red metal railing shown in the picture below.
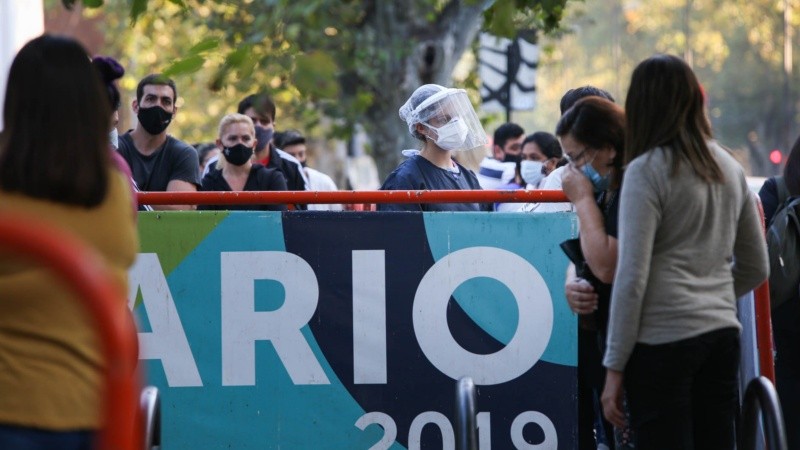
(766, 358)
(348, 197)
(82, 269)
(761, 294)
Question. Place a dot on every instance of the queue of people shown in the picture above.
(658, 265)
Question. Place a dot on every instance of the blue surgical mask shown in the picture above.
(599, 182)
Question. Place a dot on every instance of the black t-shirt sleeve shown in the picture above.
(126, 149)
(400, 180)
(185, 163)
(610, 216)
(271, 180)
(291, 171)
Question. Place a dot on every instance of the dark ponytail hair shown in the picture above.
(110, 70)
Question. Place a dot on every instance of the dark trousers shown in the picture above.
(22, 438)
(683, 395)
(787, 383)
(591, 377)
(786, 329)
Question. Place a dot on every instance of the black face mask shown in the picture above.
(511, 158)
(154, 119)
(238, 154)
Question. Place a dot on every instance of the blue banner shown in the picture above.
(320, 330)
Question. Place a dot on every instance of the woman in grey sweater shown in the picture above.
(690, 243)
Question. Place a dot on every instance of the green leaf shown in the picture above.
(92, 3)
(237, 57)
(204, 46)
(316, 74)
(137, 8)
(179, 3)
(185, 66)
(501, 19)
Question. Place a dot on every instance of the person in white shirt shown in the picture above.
(506, 148)
(553, 180)
(294, 143)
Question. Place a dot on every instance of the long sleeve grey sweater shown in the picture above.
(687, 250)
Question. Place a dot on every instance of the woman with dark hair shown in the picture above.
(540, 155)
(690, 243)
(110, 71)
(786, 316)
(55, 166)
(777, 189)
(592, 135)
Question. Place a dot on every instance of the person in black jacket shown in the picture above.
(786, 316)
(235, 170)
(261, 110)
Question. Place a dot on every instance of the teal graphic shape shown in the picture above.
(534, 237)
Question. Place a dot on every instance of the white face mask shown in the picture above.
(452, 135)
(532, 172)
(113, 136)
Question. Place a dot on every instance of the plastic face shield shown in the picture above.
(446, 107)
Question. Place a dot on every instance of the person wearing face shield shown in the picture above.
(158, 161)
(235, 170)
(444, 121)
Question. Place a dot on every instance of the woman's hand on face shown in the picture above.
(575, 184)
(581, 297)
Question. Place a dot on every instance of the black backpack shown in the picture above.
(783, 244)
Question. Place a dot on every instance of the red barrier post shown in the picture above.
(766, 358)
(326, 197)
(82, 269)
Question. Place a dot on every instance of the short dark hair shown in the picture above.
(55, 150)
(158, 80)
(573, 95)
(505, 132)
(203, 149)
(262, 103)
(546, 142)
(791, 172)
(597, 122)
(288, 138)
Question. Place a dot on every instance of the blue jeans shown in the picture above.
(23, 438)
(684, 395)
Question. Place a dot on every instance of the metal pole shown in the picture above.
(466, 428)
(509, 78)
(761, 397)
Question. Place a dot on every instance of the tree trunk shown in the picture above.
(418, 52)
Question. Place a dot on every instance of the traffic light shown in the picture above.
(775, 156)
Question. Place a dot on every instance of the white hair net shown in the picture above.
(436, 106)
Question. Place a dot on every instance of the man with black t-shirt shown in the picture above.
(159, 162)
